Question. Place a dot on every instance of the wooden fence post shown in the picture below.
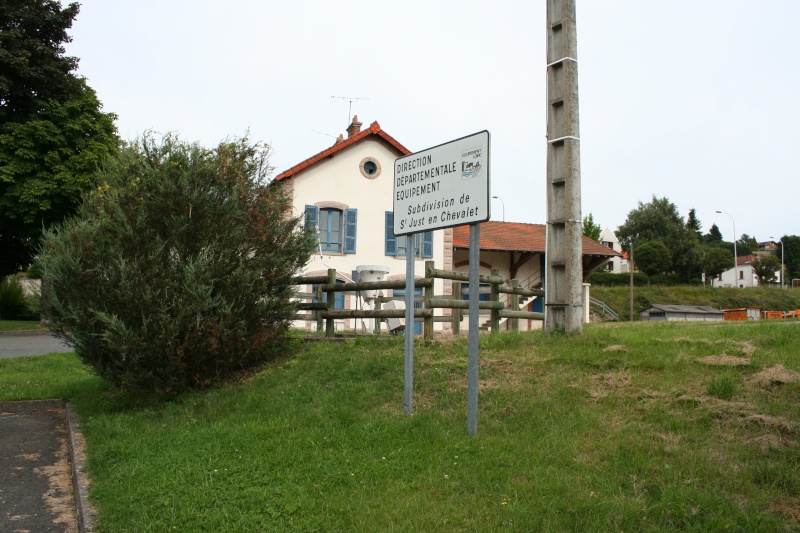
(457, 295)
(515, 305)
(318, 314)
(495, 297)
(330, 299)
(427, 322)
(378, 302)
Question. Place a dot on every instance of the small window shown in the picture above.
(336, 228)
(330, 230)
(370, 168)
(397, 246)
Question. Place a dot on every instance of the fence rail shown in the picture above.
(322, 310)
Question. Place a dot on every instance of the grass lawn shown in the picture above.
(19, 325)
(643, 427)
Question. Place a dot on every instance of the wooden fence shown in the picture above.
(322, 310)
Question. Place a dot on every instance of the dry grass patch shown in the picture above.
(724, 360)
(606, 383)
(776, 375)
(615, 348)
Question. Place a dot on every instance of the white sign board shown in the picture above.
(443, 186)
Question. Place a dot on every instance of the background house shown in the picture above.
(744, 276)
(618, 264)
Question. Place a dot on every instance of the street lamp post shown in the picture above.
(782, 267)
(503, 204)
(735, 257)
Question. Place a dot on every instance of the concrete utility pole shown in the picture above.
(564, 270)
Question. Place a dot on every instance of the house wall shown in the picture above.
(747, 277)
(618, 264)
(338, 182)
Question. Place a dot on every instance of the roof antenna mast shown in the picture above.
(350, 99)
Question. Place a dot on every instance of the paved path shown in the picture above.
(36, 491)
(24, 344)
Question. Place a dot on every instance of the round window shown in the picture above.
(370, 168)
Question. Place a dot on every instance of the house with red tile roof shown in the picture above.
(345, 191)
(744, 276)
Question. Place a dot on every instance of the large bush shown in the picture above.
(177, 270)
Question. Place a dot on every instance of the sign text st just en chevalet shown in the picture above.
(443, 186)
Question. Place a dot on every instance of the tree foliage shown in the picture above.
(716, 261)
(590, 228)
(791, 256)
(765, 268)
(177, 270)
(52, 132)
(713, 236)
(653, 257)
(658, 220)
(693, 223)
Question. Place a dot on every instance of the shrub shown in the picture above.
(177, 271)
(14, 305)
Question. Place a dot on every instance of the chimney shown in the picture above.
(354, 128)
(339, 139)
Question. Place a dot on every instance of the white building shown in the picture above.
(619, 264)
(744, 276)
(346, 192)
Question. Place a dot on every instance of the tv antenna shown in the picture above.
(350, 99)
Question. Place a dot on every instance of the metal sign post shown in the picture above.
(443, 187)
(472, 351)
(408, 360)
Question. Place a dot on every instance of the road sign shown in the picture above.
(443, 186)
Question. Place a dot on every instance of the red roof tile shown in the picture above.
(374, 129)
(519, 237)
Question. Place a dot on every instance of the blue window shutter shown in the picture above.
(312, 216)
(427, 245)
(391, 240)
(350, 218)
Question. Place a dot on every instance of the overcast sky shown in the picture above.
(693, 100)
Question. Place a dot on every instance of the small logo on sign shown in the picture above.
(471, 163)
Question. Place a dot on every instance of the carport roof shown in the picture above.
(520, 237)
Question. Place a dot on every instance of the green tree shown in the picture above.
(716, 261)
(765, 268)
(659, 220)
(590, 228)
(713, 236)
(746, 245)
(653, 257)
(177, 271)
(791, 257)
(52, 132)
(693, 223)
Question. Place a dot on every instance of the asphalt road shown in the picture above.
(21, 344)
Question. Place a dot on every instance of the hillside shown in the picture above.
(773, 299)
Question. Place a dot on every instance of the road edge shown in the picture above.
(87, 516)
